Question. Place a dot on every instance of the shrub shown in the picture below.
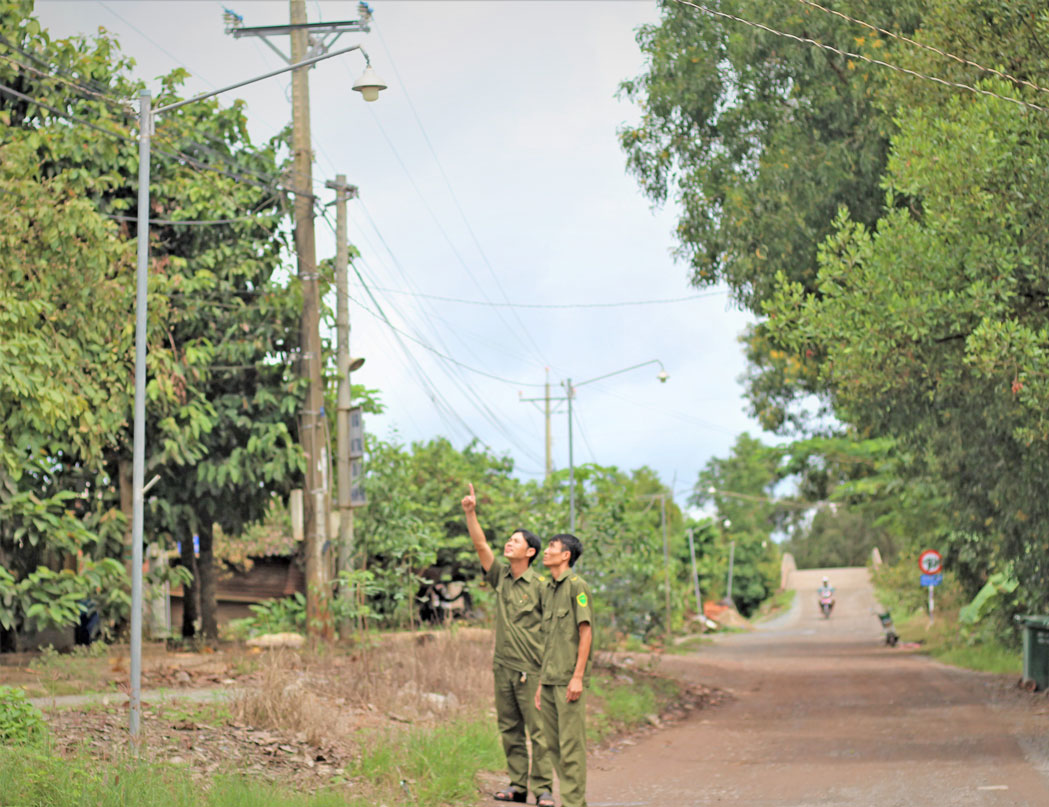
(20, 721)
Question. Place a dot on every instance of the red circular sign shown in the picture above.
(930, 561)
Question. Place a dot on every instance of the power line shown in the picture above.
(126, 137)
(124, 105)
(66, 115)
(436, 220)
(185, 222)
(435, 351)
(621, 304)
(437, 398)
(924, 46)
(478, 403)
(582, 433)
(451, 191)
(807, 41)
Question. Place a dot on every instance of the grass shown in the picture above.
(429, 766)
(423, 767)
(689, 644)
(36, 779)
(944, 641)
(775, 605)
(621, 702)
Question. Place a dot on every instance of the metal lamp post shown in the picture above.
(570, 393)
(369, 86)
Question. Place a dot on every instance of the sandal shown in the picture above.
(511, 794)
(545, 799)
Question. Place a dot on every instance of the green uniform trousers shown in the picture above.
(516, 716)
(564, 728)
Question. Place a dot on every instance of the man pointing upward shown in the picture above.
(518, 656)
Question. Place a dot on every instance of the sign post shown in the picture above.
(931, 563)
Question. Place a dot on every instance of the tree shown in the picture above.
(933, 326)
(742, 488)
(64, 347)
(223, 331)
(760, 139)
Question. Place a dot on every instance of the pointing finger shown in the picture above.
(471, 488)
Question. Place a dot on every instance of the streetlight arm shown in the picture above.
(296, 66)
(624, 370)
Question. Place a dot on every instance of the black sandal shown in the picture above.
(511, 794)
(545, 799)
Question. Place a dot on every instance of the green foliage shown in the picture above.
(931, 325)
(50, 781)
(20, 722)
(759, 140)
(430, 766)
(288, 614)
(222, 387)
(741, 487)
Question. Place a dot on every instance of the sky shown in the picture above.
(491, 185)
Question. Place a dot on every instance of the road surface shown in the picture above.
(824, 715)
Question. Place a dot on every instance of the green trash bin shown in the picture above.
(1036, 650)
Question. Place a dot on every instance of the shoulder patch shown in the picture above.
(581, 599)
(574, 578)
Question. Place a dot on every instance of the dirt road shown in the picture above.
(825, 715)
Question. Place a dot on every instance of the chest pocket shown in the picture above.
(517, 608)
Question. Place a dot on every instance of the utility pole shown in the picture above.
(343, 193)
(695, 582)
(547, 411)
(666, 556)
(318, 610)
(313, 421)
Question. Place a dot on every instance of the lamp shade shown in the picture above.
(369, 84)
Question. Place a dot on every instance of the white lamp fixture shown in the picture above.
(369, 85)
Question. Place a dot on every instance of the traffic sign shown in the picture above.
(931, 580)
(930, 561)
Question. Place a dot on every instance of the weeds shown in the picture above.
(417, 678)
(20, 721)
(945, 642)
(42, 780)
(429, 766)
(620, 702)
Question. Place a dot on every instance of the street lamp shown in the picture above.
(369, 86)
(570, 389)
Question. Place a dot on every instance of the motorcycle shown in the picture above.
(826, 604)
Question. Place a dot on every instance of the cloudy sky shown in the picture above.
(489, 175)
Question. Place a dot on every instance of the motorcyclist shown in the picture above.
(825, 592)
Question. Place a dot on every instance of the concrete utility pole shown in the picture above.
(313, 431)
(343, 193)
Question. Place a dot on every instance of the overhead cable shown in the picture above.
(930, 48)
(621, 304)
(125, 105)
(848, 54)
(451, 192)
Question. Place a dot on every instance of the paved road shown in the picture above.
(825, 715)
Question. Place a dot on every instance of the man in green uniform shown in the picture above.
(518, 656)
(567, 637)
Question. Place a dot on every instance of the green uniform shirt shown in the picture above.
(566, 604)
(518, 617)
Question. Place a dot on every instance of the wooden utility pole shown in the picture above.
(343, 193)
(549, 462)
(307, 41)
(318, 610)
(546, 410)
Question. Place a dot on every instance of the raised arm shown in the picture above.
(484, 552)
